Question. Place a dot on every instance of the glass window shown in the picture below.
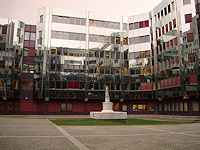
(91, 23)
(33, 28)
(53, 34)
(165, 10)
(101, 39)
(131, 41)
(27, 36)
(59, 35)
(26, 43)
(137, 55)
(131, 56)
(131, 26)
(107, 24)
(173, 7)
(26, 51)
(65, 51)
(32, 36)
(83, 37)
(65, 35)
(63, 107)
(71, 36)
(66, 20)
(30, 85)
(142, 39)
(60, 19)
(24, 84)
(96, 23)
(147, 39)
(32, 43)
(136, 25)
(185, 106)
(169, 8)
(27, 28)
(195, 106)
(112, 25)
(77, 21)
(117, 25)
(71, 20)
(41, 18)
(77, 36)
(136, 40)
(102, 23)
(124, 26)
(185, 2)
(91, 38)
(54, 18)
(83, 22)
(69, 107)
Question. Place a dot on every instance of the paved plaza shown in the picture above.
(39, 133)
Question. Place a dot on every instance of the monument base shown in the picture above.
(108, 115)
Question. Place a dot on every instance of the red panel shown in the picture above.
(178, 80)
(177, 58)
(95, 106)
(51, 107)
(162, 84)
(172, 60)
(153, 69)
(188, 18)
(141, 24)
(160, 32)
(166, 83)
(31, 52)
(174, 23)
(75, 107)
(22, 106)
(191, 54)
(163, 30)
(193, 79)
(100, 107)
(41, 106)
(76, 85)
(190, 36)
(143, 86)
(89, 107)
(167, 44)
(174, 81)
(166, 27)
(70, 85)
(35, 106)
(170, 82)
(156, 33)
(81, 107)
(175, 40)
(29, 106)
(171, 42)
(146, 23)
(170, 25)
(151, 37)
(57, 106)
(149, 85)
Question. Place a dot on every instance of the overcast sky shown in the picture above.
(26, 10)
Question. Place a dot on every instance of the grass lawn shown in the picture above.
(93, 122)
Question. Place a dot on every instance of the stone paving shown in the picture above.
(34, 133)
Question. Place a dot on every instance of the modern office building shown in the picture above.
(149, 61)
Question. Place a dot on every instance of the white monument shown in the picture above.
(107, 113)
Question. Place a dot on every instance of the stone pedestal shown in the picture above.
(107, 107)
(108, 114)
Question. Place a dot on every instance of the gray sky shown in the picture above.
(26, 10)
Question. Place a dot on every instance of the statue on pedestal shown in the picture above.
(107, 98)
